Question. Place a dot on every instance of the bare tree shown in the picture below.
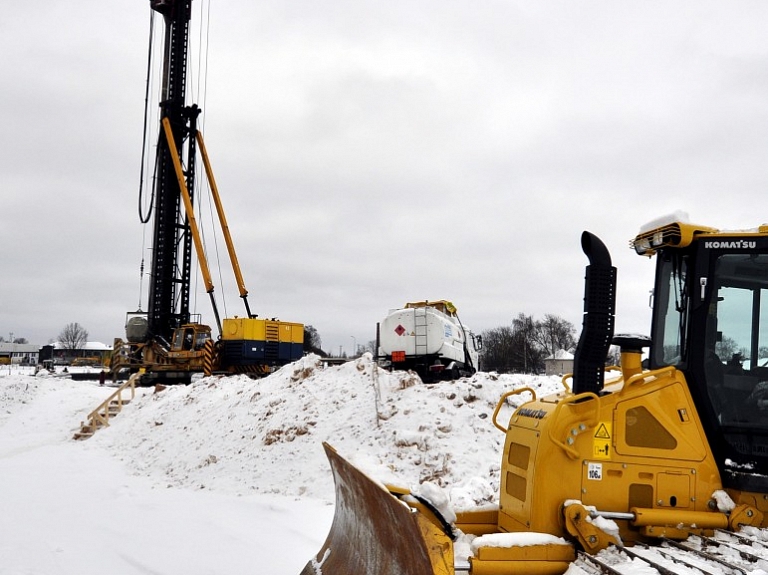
(726, 348)
(614, 355)
(497, 353)
(554, 333)
(73, 336)
(312, 341)
(522, 347)
(530, 353)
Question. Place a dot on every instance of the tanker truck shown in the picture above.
(428, 337)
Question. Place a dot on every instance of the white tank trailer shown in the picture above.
(428, 338)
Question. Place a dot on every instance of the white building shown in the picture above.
(19, 353)
(93, 351)
(559, 363)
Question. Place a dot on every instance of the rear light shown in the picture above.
(398, 356)
(437, 367)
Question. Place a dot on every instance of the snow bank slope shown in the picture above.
(241, 435)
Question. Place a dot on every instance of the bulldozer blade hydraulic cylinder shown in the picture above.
(679, 517)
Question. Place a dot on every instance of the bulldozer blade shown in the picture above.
(374, 533)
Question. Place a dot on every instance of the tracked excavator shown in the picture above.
(656, 450)
(167, 343)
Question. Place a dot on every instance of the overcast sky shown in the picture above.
(374, 153)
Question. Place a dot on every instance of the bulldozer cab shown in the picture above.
(710, 320)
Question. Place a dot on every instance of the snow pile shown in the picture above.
(249, 481)
(229, 474)
(15, 394)
(240, 435)
(724, 502)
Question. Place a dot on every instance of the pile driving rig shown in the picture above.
(167, 342)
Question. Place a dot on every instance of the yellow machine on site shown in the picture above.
(247, 345)
(631, 458)
(166, 342)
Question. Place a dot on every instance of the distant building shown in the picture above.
(93, 352)
(559, 363)
(19, 353)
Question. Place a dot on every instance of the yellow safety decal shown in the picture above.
(601, 444)
(603, 431)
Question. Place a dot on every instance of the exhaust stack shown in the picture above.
(598, 324)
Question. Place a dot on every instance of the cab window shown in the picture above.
(737, 340)
(671, 308)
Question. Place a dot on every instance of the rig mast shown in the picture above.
(172, 243)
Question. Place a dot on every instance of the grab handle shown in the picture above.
(503, 399)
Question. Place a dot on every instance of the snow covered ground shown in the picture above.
(227, 474)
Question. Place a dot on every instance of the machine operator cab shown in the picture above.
(710, 320)
(190, 337)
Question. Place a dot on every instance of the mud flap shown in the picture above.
(374, 533)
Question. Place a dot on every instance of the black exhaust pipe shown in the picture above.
(598, 324)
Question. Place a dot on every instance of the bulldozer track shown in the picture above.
(724, 553)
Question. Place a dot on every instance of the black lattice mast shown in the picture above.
(172, 245)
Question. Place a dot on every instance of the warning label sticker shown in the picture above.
(601, 443)
(602, 431)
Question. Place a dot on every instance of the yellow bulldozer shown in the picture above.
(671, 444)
